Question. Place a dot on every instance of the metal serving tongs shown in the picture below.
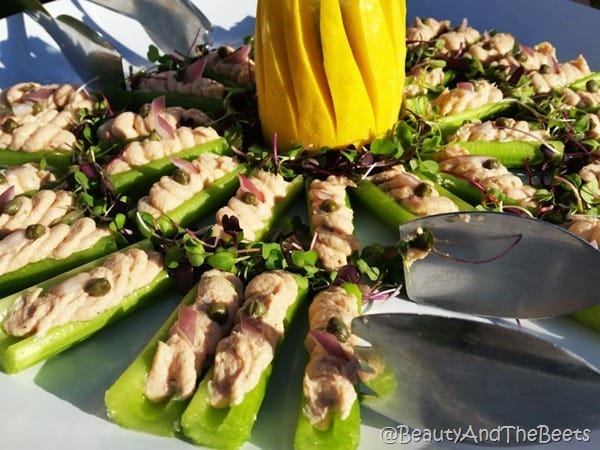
(93, 58)
(172, 25)
(443, 372)
(501, 265)
(448, 373)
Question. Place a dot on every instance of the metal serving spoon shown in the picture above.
(94, 59)
(172, 25)
(502, 265)
(454, 372)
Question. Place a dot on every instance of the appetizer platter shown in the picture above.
(207, 235)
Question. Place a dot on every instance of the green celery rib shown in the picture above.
(139, 179)
(342, 434)
(125, 401)
(229, 428)
(207, 200)
(120, 98)
(293, 189)
(47, 268)
(451, 122)
(513, 154)
(580, 85)
(461, 188)
(590, 317)
(381, 205)
(458, 201)
(17, 354)
(58, 160)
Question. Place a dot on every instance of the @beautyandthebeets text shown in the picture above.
(505, 435)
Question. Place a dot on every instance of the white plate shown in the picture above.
(59, 404)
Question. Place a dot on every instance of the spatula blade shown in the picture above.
(461, 373)
(502, 265)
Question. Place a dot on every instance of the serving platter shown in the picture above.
(60, 403)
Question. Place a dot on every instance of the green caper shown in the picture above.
(12, 207)
(545, 69)
(423, 189)
(328, 205)
(218, 312)
(35, 231)
(29, 87)
(336, 327)
(37, 108)
(502, 122)
(97, 287)
(491, 164)
(181, 176)
(421, 240)
(255, 308)
(224, 51)
(145, 109)
(154, 136)
(9, 125)
(592, 86)
(249, 198)
(521, 57)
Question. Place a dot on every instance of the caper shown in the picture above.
(336, 327)
(491, 164)
(249, 198)
(422, 240)
(97, 287)
(12, 207)
(145, 109)
(35, 231)
(423, 189)
(328, 205)
(591, 86)
(224, 51)
(521, 57)
(37, 108)
(502, 122)
(218, 312)
(154, 136)
(29, 87)
(181, 176)
(9, 125)
(255, 308)
(544, 69)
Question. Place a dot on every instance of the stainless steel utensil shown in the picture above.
(94, 59)
(451, 373)
(503, 265)
(172, 25)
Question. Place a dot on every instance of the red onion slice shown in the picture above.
(39, 94)
(195, 70)
(331, 345)
(240, 56)
(6, 197)
(247, 185)
(466, 86)
(527, 50)
(184, 164)
(186, 323)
